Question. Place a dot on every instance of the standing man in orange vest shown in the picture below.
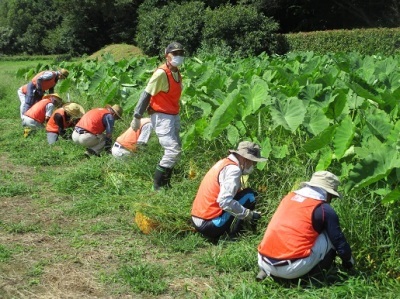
(35, 89)
(94, 130)
(62, 119)
(39, 113)
(129, 141)
(161, 99)
(304, 235)
(220, 199)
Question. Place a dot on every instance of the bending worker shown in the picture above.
(220, 199)
(129, 141)
(94, 130)
(35, 89)
(304, 235)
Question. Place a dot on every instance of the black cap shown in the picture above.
(174, 46)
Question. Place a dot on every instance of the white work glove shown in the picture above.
(252, 216)
(135, 124)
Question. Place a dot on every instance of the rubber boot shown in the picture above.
(159, 178)
(167, 177)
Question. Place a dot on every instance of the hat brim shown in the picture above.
(116, 113)
(249, 157)
(329, 190)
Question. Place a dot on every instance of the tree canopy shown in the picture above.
(78, 27)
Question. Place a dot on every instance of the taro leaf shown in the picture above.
(266, 149)
(378, 123)
(223, 116)
(321, 140)
(288, 113)
(112, 91)
(254, 97)
(392, 197)
(310, 91)
(205, 107)
(280, 152)
(64, 85)
(325, 159)
(191, 134)
(336, 107)
(363, 89)
(374, 167)
(98, 79)
(315, 120)
(232, 134)
(343, 136)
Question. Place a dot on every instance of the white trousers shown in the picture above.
(119, 152)
(89, 140)
(302, 266)
(31, 123)
(21, 97)
(167, 128)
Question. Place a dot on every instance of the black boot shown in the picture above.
(159, 177)
(167, 177)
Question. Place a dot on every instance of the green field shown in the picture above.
(67, 223)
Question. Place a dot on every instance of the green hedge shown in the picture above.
(385, 41)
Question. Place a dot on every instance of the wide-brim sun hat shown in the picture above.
(325, 180)
(74, 110)
(64, 72)
(250, 151)
(117, 109)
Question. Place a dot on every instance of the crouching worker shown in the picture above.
(40, 113)
(62, 119)
(304, 236)
(130, 141)
(221, 205)
(94, 130)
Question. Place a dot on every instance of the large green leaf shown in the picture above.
(378, 123)
(392, 197)
(315, 120)
(321, 140)
(255, 96)
(343, 136)
(223, 116)
(288, 113)
(373, 168)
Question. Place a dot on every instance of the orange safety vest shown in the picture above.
(52, 125)
(38, 111)
(168, 102)
(290, 233)
(205, 205)
(46, 84)
(129, 138)
(92, 121)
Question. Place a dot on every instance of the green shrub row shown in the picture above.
(384, 41)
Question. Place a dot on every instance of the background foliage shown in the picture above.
(78, 27)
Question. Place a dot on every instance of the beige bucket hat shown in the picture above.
(325, 180)
(250, 151)
(74, 110)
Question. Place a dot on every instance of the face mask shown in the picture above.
(248, 170)
(177, 60)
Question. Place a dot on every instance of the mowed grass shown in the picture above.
(67, 226)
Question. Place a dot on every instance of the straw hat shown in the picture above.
(325, 180)
(64, 73)
(55, 97)
(250, 151)
(74, 110)
(117, 110)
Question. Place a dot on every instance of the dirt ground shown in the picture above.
(45, 263)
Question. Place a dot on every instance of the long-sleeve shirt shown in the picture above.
(325, 218)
